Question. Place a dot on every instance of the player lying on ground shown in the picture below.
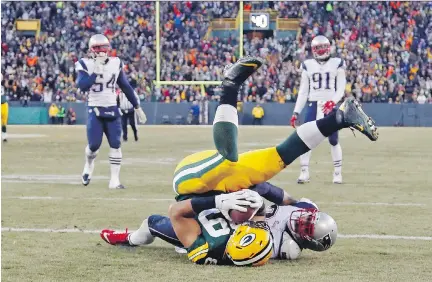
(99, 75)
(294, 225)
(226, 171)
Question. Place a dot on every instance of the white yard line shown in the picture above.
(344, 236)
(49, 198)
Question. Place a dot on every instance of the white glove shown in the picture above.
(255, 199)
(231, 201)
(141, 116)
(98, 66)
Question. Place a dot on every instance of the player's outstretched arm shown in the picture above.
(274, 194)
(340, 84)
(85, 81)
(187, 228)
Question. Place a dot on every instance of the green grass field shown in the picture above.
(386, 194)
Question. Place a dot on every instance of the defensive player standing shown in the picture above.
(322, 87)
(99, 75)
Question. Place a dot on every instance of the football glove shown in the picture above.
(232, 201)
(328, 107)
(98, 66)
(294, 119)
(141, 116)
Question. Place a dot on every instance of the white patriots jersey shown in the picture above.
(322, 78)
(277, 218)
(103, 91)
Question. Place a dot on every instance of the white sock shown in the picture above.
(226, 113)
(115, 158)
(336, 152)
(310, 134)
(4, 135)
(304, 160)
(142, 236)
(90, 155)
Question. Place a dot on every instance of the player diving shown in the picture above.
(98, 75)
(322, 86)
(293, 225)
(209, 184)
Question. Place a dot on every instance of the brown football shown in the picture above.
(240, 217)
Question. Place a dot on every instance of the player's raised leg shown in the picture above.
(4, 117)
(225, 124)
(113, 131)
(311, 134)
(94, 138)
(336, 152)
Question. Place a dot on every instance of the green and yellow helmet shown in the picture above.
(251, 244)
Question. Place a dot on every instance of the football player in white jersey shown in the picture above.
(322, 86)
(294, 225)
(99, 75)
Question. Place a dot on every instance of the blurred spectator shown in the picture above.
(52, 112)
(195, 111)
(386, 47)
(71, 117)
(258, 114)
(61, 114)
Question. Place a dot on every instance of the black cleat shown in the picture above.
(85, 179)
(136, 138)
(242, 69)
(351, 114)
(125, 139)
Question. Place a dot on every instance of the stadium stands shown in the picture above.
(386, 47)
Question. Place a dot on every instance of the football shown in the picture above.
(240, 217)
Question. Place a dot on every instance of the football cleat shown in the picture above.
(351, 114)
(115, 238)
(87, 173)
(119, 186)
(304, 176)
(242, 69)
(337, 177)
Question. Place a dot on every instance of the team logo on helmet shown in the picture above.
(247, 240)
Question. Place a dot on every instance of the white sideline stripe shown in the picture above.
(344, 236)
(49, 198)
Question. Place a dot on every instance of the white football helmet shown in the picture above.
(99, 46)
(321, 48)
(313, 229)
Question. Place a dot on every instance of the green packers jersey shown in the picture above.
(3, 99)
(209, 247)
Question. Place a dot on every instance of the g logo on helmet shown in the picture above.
(247, 240)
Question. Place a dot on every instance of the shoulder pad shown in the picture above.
(340, 63)
(82, 65)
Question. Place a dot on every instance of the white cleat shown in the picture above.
(87, 174)
(337, 178)
(180, 250)
(115, 185)
(304, 176)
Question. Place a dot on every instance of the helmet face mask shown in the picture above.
(321, 48)
(250, 245)
(99, 46)
(314, 230)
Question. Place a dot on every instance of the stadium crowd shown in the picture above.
(386, 47)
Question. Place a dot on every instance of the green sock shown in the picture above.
(225, 138)
(4, 128)
(292, 148)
